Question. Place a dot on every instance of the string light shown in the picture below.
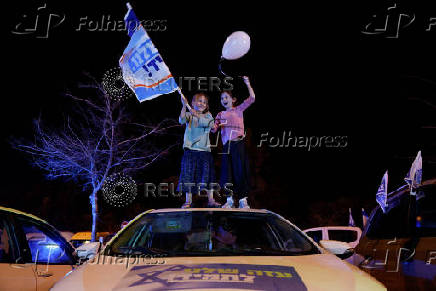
(119, 190)
(114, 85)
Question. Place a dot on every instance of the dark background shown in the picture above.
(314, 73)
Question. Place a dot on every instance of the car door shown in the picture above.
(15, 274)
(49, 253)
(350, 235)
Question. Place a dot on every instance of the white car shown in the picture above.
(219, 249)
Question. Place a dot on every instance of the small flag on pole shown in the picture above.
(382, 193)
(143, 68)
(350, 218)
(364, 217)
(414, 176)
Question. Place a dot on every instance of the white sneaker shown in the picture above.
(188, 201)
(229, 203)
(186, 205)
(243, 203)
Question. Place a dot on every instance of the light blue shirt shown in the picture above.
(197, 131)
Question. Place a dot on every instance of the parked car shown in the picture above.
(348, 234)
(215, 248)
(33, 254)
(84, 237)
(399, 247)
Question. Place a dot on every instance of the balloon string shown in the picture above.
(220, 69)
(222, 72)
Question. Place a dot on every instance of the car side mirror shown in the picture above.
(88, 251)
(341, 249)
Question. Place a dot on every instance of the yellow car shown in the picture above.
(84, 237)
(33, 254)
(216, 249)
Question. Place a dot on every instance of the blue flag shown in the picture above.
(350, 218)
(131, 21)
(143, 68)
(382, 193)
(414, 176)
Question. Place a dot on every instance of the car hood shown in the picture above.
(311, 272)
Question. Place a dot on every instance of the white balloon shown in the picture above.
(236, 45)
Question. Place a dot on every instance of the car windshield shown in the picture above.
(211, 233)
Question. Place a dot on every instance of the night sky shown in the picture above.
(313, 71)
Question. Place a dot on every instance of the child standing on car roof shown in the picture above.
(234, 165)
(197, 170)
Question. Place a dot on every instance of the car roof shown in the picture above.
(11, 210)
(86, 235)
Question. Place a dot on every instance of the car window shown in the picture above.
(342, 235)
(316, 235)
(293, 240)
(209, 233)
(6, 245)
(44, 246)
(393, 223)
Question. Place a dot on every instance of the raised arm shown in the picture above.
(250, 89)
(184, 116)
(250, 100)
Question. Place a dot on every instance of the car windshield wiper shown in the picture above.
(259, 251)
(233, 252)
(141, 251)
(272, 252)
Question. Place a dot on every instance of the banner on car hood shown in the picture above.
(208, 276)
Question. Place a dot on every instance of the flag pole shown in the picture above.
(411, 212)
(186, 100)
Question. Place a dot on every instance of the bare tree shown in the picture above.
(98, 138)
